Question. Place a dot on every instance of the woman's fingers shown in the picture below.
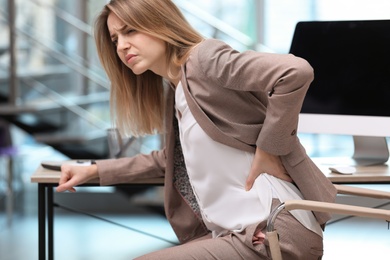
(66, 187)
(284, 176)
(67, 180)
(72, 176)
(67, 184)
(264, 162)
(251, 179)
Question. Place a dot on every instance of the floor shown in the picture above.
(109, 233)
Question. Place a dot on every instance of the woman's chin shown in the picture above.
(137, 71)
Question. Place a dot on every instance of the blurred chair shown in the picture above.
(7, 154)
(117, 145)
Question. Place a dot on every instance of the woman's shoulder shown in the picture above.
(213, 42)
(207, 51)
(211, 45)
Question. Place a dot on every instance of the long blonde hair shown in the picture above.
(137, 101)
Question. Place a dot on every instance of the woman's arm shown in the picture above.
(280, 81)
(142, 166)
(114, 171)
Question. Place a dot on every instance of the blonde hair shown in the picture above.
(137, 101)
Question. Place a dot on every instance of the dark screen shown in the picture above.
(351, 61)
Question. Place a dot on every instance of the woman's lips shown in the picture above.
(130, 57)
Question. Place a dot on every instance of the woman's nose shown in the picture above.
(123, 43)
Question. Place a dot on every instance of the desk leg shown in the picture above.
(41, 221)
(50, 222)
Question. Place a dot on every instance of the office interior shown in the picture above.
(54, 106)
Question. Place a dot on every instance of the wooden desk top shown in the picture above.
(363, 174)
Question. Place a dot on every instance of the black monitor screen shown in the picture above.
(351, 61)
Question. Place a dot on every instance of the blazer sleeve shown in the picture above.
(123, 170)
(283, 79)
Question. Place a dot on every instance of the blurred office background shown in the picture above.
(54, 106)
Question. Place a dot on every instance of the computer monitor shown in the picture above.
(350, 94)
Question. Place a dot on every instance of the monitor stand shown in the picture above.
(370, 150)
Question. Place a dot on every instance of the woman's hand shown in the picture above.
(73, 175)
(264, 162)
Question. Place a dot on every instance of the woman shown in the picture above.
(230, 122)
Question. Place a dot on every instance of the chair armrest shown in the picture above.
(333, 208)
(337, 209)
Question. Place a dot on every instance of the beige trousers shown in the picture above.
(296, 242)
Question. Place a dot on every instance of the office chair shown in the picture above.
(334, 208)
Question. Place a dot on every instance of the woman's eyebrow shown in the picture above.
(121, 29)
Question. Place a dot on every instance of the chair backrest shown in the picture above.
(115, 142)
(117, 146)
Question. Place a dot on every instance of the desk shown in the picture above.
(375, 174)
(47, 180)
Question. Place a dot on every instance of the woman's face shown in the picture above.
(138, 51)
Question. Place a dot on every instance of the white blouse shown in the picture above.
(218, 174)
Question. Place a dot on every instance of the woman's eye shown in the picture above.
(130, 31)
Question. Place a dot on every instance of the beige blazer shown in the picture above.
(242, 100)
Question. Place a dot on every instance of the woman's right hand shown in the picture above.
(264, 162)
(73, 175)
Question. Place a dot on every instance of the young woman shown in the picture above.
(230, 119)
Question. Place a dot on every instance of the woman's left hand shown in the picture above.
(264, 162)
